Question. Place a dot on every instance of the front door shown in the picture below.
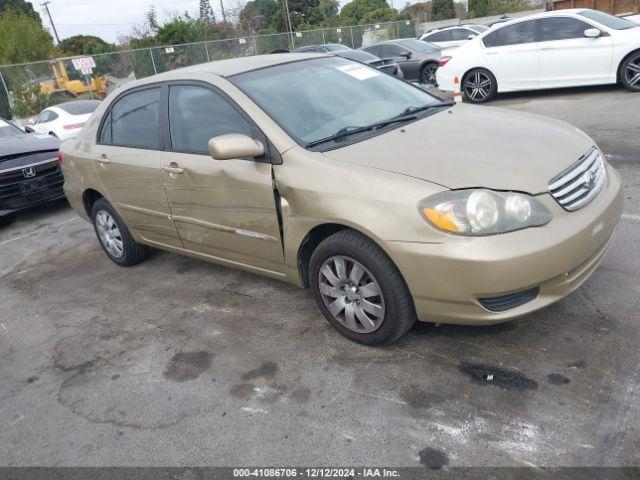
(223, 209)
(127, 160)
(513, 57)
(568, 58)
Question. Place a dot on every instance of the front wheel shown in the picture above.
(359, 290)
(479, 86)
(630, 72)
(114, 236)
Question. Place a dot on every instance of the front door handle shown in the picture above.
(103, 159)
(172, 170)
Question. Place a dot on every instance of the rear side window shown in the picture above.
(375, 50)
(443, 36)
(81, 107)
(134, 120)
(524, 32)
(197, 114)
(491, 40)
(562, 28)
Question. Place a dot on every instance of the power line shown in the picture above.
(45, 4)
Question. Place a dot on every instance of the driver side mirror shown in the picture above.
(592, 33)
(406, 54)
(234, 145)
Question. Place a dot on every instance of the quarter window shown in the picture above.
(523, 32)
(134, 120)
(197, 114)
(562, 28)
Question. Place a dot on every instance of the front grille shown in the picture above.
(580, 183)
(11, 195)
(507, 302)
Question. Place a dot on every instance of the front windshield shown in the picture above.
(417, 45)
(607, 20)
(9, 130)
(314, 99)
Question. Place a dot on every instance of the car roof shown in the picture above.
(448, 27)
(234, 66)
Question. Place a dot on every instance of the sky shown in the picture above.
(113, 18)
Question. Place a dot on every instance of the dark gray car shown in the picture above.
(387, 65)
(417, 59)
(29, 170)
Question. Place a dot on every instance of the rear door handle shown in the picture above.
(173, 170)
(103, 159)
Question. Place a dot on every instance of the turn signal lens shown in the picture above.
(440, 219)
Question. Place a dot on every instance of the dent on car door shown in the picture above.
(222, 208)
(127, 160)
(512, 54)
(568, 58)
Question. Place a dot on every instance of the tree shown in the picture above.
(354, 12)
(206, 12)
(20, 6)
(85, 45)
(22, 38)
(442, 9)
(258, 15)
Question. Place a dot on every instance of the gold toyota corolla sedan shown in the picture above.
(387, 203)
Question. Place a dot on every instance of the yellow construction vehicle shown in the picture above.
(74, 83)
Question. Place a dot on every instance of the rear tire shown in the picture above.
(114, 236)
(630, 72)
(479, 86)
(428, 74)
(364, 282)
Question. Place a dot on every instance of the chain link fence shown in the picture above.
(29, 87)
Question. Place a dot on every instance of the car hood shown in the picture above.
(474, 146)
(12, 146)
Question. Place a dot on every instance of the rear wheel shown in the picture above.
(630, 72)
(359, 289)
(114, 236)
(479, 86)
(428, 74)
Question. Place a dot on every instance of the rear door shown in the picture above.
(224, 209)
(569, 58)
(127, 160)
(513, 56)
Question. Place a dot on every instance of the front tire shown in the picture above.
(359, 290)
(630, 72)
(114, 236)
(479, 86)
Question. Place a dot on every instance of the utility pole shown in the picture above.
(45, 4)
(286, 6)
(224, 16)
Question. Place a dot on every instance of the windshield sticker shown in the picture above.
(359, 71)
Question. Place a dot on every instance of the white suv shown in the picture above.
(564, 48)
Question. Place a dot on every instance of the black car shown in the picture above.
(387, 65)
(29, 171)
(417, 59)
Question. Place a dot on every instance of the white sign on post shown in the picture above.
(84, 64)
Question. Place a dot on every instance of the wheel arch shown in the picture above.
(89, 197)
(624, 59)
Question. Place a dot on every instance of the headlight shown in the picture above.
(479, 212)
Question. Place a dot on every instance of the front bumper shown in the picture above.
(12, 199)
(447, 279)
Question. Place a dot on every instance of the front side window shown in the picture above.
(314, 99)
(461, 34)
(444, 36)
(42, 118)
(134, 119)
(523, 32)
(197, 114)
(562, 28)
(391, 50)
(416, 45)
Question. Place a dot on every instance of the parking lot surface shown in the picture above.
(180, 362)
